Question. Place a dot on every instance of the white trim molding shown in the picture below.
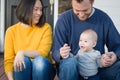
(2, 24)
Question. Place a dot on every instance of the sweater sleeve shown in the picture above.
(46, 41)
(98, 59)
(8, 51)
(60, 38)
(113, 38)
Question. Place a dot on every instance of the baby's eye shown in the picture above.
(85, 41)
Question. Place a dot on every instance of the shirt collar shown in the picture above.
(93, 10)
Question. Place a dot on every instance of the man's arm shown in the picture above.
(59, 39)
(112, 42)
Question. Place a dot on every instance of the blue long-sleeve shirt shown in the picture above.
(69, 27)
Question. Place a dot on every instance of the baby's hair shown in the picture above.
(92, 33)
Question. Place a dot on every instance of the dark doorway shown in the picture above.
(10, 16)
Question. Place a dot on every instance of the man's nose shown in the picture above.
(81, 14)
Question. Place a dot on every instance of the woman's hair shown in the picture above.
(24, 12)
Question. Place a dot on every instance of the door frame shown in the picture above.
(2, 24)
(55, 11)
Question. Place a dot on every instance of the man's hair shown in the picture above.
(79, 1)
(24, 12)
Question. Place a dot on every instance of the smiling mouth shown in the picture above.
(82, 47)
(37, 18)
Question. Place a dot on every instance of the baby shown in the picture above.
(88, 58)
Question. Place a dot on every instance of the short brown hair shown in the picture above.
(79, 1)
(24, 12)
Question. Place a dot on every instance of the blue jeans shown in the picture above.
(95, 77)
(110, 73)
(38, 69)
(68, 70)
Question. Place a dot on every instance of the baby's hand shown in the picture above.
(108, 59)
(106, 56)
(105, 60)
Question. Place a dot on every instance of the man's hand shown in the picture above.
(108, 59)
(65, 51)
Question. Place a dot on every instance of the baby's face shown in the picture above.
(86, 43)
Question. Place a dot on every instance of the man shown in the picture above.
(66, 38)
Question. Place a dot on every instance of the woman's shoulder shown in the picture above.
(46, 25)
(13, 27)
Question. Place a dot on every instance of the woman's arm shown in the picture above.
(29, 53)
(10, 75)
(19, 59)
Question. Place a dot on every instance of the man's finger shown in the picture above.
(65, 45)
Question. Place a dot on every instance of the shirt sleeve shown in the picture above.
(113, 37)
(46, 41)
(98, 59)
(60, 38)
(8, 51)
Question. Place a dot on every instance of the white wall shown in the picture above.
(112, 8)
(0, 25)
(0, 10)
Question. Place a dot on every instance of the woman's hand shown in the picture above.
(19, 61)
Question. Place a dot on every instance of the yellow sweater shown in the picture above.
(21, 38)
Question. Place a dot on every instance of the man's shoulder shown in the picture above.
(100, 12)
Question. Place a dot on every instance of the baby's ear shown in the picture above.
(94, 44)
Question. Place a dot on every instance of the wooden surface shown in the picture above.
(2, 73)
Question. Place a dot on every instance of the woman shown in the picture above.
(28, 43)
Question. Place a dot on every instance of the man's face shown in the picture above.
(83, 9)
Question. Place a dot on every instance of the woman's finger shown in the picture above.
(24, 65)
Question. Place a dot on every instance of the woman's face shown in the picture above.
(37, 12)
